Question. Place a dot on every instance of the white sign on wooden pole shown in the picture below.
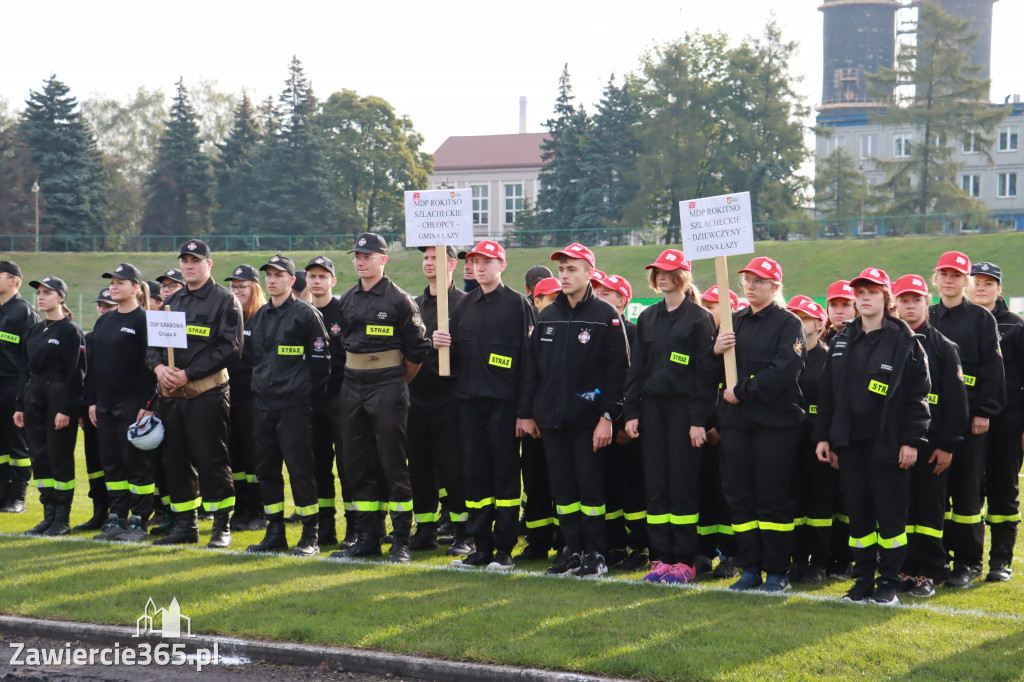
(167, 329)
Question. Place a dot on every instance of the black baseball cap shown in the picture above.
(195, 247)
(322, 262)
(986, 268)
(125, 271)
(174, 274)
(280, 262)
(299, 285)
(10, 267)
(368, 242)
(450, 249)
(244, 273)
(104, 297)
(51, 282)
(154, 291)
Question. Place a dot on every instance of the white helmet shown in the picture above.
(147, 433)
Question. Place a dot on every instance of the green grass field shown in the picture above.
(809, 266)
(615, 626)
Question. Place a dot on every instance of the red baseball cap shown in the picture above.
(670, 259)
(807, 306)
(840, 289)
(711, 295)
(597, 275)
(548, 285)
(910, 284)
(576, 250)
(954, 260)
(619, 284)
(764, 267)
(741, 305)
(486, 248)
(872, 275)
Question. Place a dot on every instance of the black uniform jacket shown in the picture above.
(241, 371)
(57, 350)
(770, 348)
(665, 359)
(290, 357)
(1011, 341)
(490, 338)
(575, 350)
(810, 379)
(903, 381)
(214, 325)
(331, 315)
(973, 329)
(947, 401)
(16, 318)
(116, 357)
(429, 387)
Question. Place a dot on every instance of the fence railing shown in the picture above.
(816, 228)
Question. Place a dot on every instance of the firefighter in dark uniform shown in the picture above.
(321, 279)
(16, 318)
(973, 329)
(578, 359)
(759, 419)
(926, 560)
(195, 400)
(1003, 461)
(384, 344)
(290, 366)
(435, 457)
(872, 420)
(490, 329)
(169, 282)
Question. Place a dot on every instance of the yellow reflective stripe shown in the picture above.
(441, 492)
(819, 523)
(197, 330)
(711, 530)
(813, 409)
(251, 478)
(780, 527)
(539, 523)
(959, 518)
(502, 361)
(744, 527)
(679, 358)
(44, 482)
(480, 504)
(117, 485)
(657, 519)
(1009, 518)
(379, 330)
(308, 510)
(567, 509)
(683, 519)
(428, 518)
(238, 476)
(878, 387)
(925, 530)
(969, 380)
(166, 499)
(291, 350)
(893, 543)
(461, 517)
(349, 506)
(63, 485)
(592, 511)
(802, 521)
(510, 502)
(143, 489)
(366, 506)
(4, 459)
(94, 475)
(933, 398)
(635, 516)
(948, 516)
(325, 502)
(23, 462)
(186, 506)
(226, 503)
(276, 508)
(866, 541)
(841, 518)
(617, 514)
(9, 337)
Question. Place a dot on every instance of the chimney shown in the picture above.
(522, 114)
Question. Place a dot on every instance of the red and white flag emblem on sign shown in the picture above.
(693, 205)
(415, 195)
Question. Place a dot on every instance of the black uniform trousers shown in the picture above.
(626, 496)
(435, 461)
(672, 479)
(241, 448)
(128, 470)
(816, 494)
(283, 437)
(876, 496)
(195, 451)
(964, 531)
(538, 505)
(757, 479)
(715, 526)
(925, 519)
(15, 463)
(52, 450)
(373, 428)
(327, 447)
(94, 461)
(578, 486)
(1002, 468)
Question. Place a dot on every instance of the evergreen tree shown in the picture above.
(840, 188)
(237, 189)
(179, 190)
(948, 106)
(17, 203)
(71, 176)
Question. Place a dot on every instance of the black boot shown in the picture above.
(351, 531)
(367, 544)
(327, 533)
(15, 500)
(382, 528)
(61, 521)
(186, 530)
(273, 541)
(425, 537)
(99, 517)
(400, 549)
(255, 518)
(221, 531)
(240, 517)
(308, 543)
(1004, 537)
(462, 544)
(40, 528)
(165, 526)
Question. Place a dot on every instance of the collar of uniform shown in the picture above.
(493, 295)
(377, 289)
(1001, 307)
(943, 310)
(763, 312)
(427, 294)
(563, 301)
(201, 292)
(286, 304)
(12, 299)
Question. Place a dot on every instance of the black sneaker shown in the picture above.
(565, 563)
(840, 571)
(477, 559)
(906, 583)
(637, 560)
(533, 552)
(615, 557)
(702, 565)
(135, 531)
(923, 587)
(862, 589)
(460, 547)
(960, 578)
(112, 528)
(885, 594)
(593, 566)
(726, 569)
(812, 575)
(999, 573)
(502, 562)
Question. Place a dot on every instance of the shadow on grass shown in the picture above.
(1000, 658)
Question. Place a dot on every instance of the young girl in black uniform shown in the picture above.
(48, 402)
(118, 385)
(872, 416)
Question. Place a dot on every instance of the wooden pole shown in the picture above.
(444, 367)
(725, 315)
(170, 351)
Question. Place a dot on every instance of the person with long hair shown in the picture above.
(872, 417)
(667, 399)
(839, 308)
(48, 401)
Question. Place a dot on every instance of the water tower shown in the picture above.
(859, 38)
(979, 12)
